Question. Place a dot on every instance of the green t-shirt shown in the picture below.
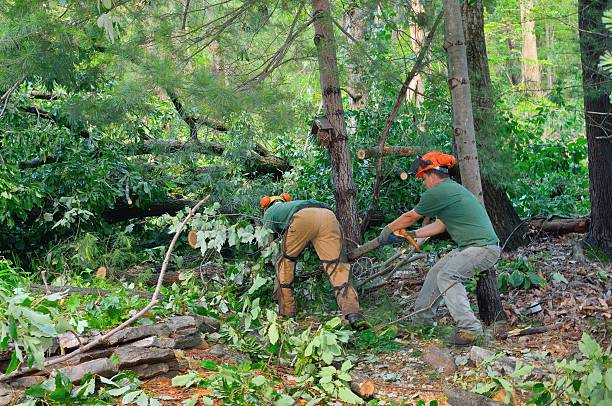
(277, 217)
(465, 218)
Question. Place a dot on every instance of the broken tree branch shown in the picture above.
(398, 102)
(375, 152)
(84, 291)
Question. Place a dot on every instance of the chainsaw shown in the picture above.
(375, 243)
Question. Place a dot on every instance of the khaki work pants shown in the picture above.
(320, 227)
(447, 277)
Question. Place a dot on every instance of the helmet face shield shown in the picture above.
(416, 164)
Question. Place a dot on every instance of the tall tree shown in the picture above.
(459, 84)
(598, 119)
(505, 219)
(531, 66)
(342, 171)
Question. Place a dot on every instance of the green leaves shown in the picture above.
(589, 347)
(187, 380)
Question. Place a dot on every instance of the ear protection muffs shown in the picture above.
(266, 201)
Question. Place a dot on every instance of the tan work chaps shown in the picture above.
(319, 226)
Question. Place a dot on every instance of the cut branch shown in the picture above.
(560, 225)
(84, 291)
(401, 97)
(375, 152)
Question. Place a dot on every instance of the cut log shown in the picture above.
(561, 225)
(149, 277)
(460, 397)
(364, 387)
(387, 151)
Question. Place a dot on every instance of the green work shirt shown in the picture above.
(277, 217)
(465, 218)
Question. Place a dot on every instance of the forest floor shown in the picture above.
(416, 364)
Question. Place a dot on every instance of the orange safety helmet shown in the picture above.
(267, 201)
(432, 160)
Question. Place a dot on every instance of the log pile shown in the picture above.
(149, 350)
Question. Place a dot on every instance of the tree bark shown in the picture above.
(594, 40)
(530, 64)
(459, 84)
(122, 211)
(561, 225)
(342, 171)
(506, 221)
(490, 307)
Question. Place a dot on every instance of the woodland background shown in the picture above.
(116, 116)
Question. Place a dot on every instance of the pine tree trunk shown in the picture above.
(490, 307)
(505, 220)
(531, 67)
(594, 40)
(342, 171)
(459, 84)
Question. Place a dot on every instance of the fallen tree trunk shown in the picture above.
(561, 225)
(204, 272)
(374, 152)
(259, 160)
(84, 291)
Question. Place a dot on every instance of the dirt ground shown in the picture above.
(578, 301)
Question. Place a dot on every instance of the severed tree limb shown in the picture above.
(375, 152)
(144, 310)
(391, 269)
(84, 291)
(258, 161)
(385, 132)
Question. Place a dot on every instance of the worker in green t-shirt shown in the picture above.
(460, 214)
(308, 221)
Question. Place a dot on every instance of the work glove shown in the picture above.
(396, 237)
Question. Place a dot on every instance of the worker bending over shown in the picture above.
(301, 222)
(466, 220)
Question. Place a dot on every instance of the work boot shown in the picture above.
(463, 338)
(357, 321)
